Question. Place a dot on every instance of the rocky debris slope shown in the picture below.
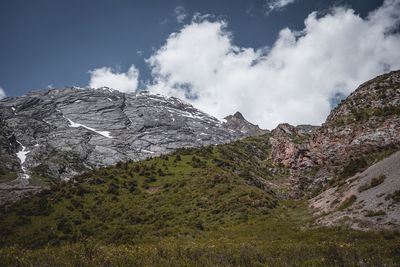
(56, 134)
(366, 200)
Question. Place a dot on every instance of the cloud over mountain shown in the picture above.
(296, 80)
(2, 93)
(293, 81)
(123, 81)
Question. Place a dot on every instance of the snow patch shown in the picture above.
(147, 151)
(76, 125)
(22, 158)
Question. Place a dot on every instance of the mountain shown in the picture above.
(361, 131)
(294, 196)
(56, 134)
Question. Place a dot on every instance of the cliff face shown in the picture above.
(51, 135)
(345, 164)
(366, 122)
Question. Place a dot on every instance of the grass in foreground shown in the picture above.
(277, 240)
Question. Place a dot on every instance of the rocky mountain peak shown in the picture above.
(375, 98)
(238, 115)
(63, 132)
(237, 121)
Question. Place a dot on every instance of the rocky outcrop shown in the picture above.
(51, 135)
(238, 122)
(367, 122)
(361, 131)
(290, 145)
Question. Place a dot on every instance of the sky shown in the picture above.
(273, 60)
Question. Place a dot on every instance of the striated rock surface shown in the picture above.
(50, 135)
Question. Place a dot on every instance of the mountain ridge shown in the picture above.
(63, 132)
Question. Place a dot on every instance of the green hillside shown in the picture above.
(187, 192)
(211, 206)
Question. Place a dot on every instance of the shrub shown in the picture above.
(374, 182)
(347, 202)
(113, 189)
(64, 226)
(150, 179)
(373, 213)
(160, 172)
(132, 186)
(198, 163)
(354, 166)
(395, 197)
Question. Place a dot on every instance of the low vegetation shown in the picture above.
(395, 196)
(363, 115)
(209, 206)
(181, 194)
(6, 175)
(279, 239)
(374, 213)
(357, 164)
(347, 202)
(373, 183)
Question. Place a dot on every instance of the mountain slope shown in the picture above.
(325, 162)
(56, 134)
(366, 123)
(189, 191)
(369, 199)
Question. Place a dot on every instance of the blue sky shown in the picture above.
(57, 43)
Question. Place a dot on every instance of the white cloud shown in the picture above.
(180, 14)
(125, 82)
(293, 81)
(277, 5)
(2, 93)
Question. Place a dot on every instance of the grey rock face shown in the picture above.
(63, 132)
(238, 122)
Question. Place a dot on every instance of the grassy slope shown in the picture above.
(200, 207)
(180, 194)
